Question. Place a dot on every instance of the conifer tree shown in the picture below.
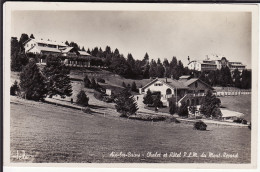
(82, 98)
(133, 87)
(31, 36)
(93, 83)
(173, 108)
(58, 81)
(87, 82)
(126, 104)
(32, 83)
(210, 105)
(14, 88)
(124, 85)
(148, 99)
(183, 110)
(157, 101)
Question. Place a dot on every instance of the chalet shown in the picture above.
(187, 89)
(69, 55)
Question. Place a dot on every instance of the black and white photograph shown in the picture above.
(96, 83)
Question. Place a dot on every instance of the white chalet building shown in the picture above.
(187, 89)
(71, 56)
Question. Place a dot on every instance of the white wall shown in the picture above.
(162, 88)
(194, 65)
(29, 45)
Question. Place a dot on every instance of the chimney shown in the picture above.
(166, 79)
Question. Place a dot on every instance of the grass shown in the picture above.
(57, 134)
(240, 103)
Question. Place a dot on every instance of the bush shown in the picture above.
(238, 120)
(173, 108)
(98, 95)
(172, 119)
(244, 121)
(101, 80)
(200, 125)
(148, 99)
(14, 88)
(87, 110)
(183, 110)
(87, 82)
(107, 99)
(82, 98)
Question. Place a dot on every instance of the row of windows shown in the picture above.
(77, 62)
(237, 67)
(193, 102)
(208, 66)
(158, 84)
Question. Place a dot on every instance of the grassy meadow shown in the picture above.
(51, 133)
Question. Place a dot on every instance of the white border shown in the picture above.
(11, 6)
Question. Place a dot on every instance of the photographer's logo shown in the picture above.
(22, 155)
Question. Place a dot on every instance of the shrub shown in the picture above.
(238, 120)
(98, 95)
(148, 99)
(172, 119)
(123, 84)
(101, 80)
(93, 83)
(134, 87)
(200, 125)
(14, 88)
(157, 101)
(107, 99)
(82, 98)
(87, 110)
(244, 121)
(173, 108)
(87, 82)
(183, 110)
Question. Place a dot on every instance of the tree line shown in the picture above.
(129, 67)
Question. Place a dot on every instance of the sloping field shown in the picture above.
(49, 133)
(110, 78)
(240, 104)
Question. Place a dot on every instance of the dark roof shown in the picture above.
(174, 83)
(192, 80)
(170, 82)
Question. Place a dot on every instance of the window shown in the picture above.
(192, 102)
(196, 84)
(188, 102)
(168, 91)
(158, 84)
(197, 102)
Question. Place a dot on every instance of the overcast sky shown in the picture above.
(160, 34)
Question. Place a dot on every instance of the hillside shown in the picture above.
(109, 77)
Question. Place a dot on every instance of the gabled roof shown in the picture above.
(84, 53)
(67, 49)
(47, 49)
(170, 82)
(192, 80)
(185, 77)
(50, 42)
(46, 42)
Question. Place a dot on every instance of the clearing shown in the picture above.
(49, 133)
